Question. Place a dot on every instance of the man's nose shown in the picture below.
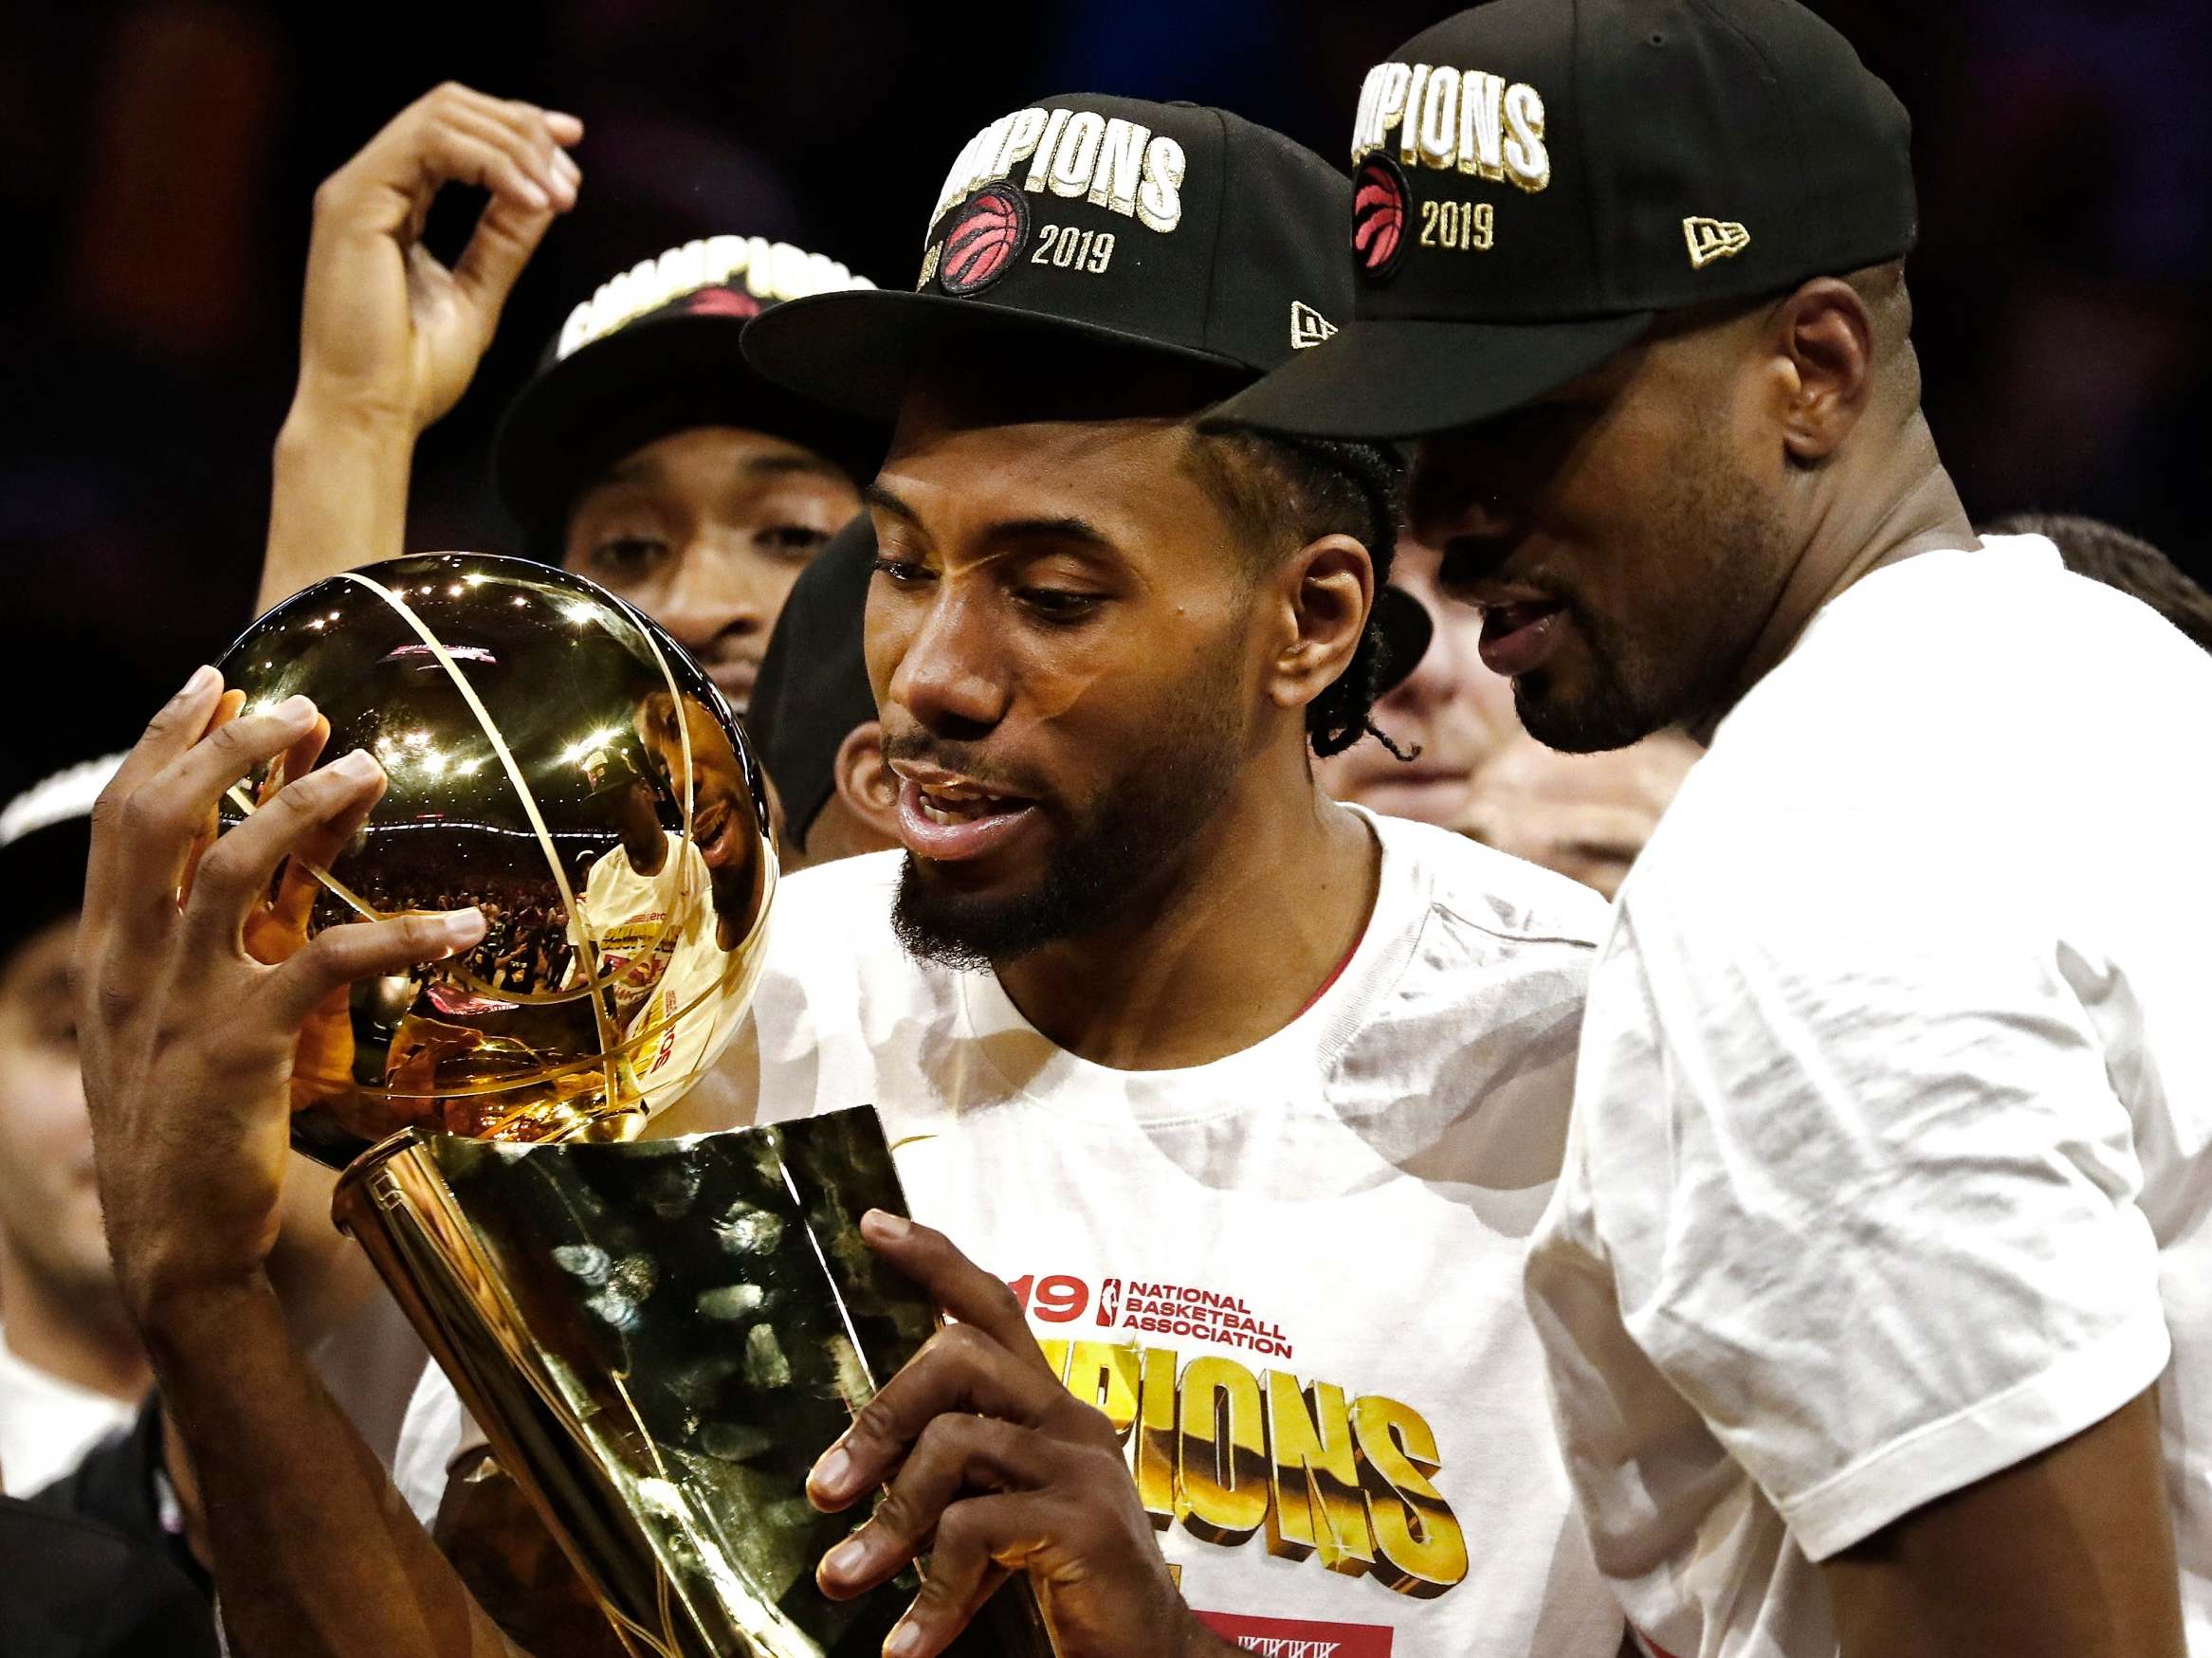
(950, 678)
(709, 594)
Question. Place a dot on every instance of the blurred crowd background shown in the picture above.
(158, 159)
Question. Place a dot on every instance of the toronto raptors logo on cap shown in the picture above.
(721, 302)
(983, 240)
(1379, 198)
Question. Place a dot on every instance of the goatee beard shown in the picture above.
(1115, 862)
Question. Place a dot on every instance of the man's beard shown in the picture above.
(1674, 662)
(1122, 855)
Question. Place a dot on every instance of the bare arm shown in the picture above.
(389, 337)
(315, 1551)
(2068, 1555)
(188, 1041)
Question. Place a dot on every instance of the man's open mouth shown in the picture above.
(943, 817)
(1518, 634)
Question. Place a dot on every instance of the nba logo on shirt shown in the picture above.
(1109, 1299)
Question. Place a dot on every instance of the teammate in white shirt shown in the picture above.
(1253, 1098)
(71, 1367)
(1875, 1288)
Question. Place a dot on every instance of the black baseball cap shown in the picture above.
(1186, 233)
(1537, 181)
(654, 350)
(46, 840)
(812, 690)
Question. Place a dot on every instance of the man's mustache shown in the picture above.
(966, 758)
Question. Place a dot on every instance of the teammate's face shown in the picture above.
(1622, 536)
(1060, 637)
(1452, 709)
(704, 530)
(50, 1209)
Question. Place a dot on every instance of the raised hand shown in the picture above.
(387, 331)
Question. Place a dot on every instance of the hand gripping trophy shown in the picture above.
(658, 1336)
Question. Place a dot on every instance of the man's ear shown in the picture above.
(869, 788)
(1824, 351)
(1326, 589)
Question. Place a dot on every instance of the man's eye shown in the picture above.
(792, 541)
(903, 572)
(1059, 604)
(628, 558)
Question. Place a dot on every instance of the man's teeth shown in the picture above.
(959, 809)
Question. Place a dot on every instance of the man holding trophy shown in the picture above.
(1240, 1104)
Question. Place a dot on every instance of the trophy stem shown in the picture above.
(395, 1203)
(658, 1337)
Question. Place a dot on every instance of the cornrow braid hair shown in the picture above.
(1302, 489)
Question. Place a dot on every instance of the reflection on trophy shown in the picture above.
(658, 1336)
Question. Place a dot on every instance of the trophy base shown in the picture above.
(658, 1338)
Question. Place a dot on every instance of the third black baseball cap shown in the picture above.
(654, 350)
(812, 692)
(1536, 181)
(1185, 232)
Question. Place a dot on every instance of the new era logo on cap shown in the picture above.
(1309, 327)
(1711, 239)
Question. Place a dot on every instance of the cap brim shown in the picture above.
(858, 350)
(654, 377)
(1399, 378)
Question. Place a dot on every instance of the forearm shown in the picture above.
(340, 494)
(315, 1553)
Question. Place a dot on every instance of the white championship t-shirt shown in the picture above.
(1304, 1259)
(47, 1424)
(1888, 1164)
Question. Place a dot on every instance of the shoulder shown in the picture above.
(1494, 905)
(1501, 950)
(1954, 655)
(1939, 722)
(1479, 1013)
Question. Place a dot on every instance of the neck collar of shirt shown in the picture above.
(1035, 1066)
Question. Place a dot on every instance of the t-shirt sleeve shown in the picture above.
(1866, 1186)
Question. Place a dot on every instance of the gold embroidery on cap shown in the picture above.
(1711, 239)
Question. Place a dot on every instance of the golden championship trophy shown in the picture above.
(657, 1337)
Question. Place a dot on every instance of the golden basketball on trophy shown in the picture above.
(554, 758)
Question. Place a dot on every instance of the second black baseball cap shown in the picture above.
(812, 692)
(654, 350)
(1185, 232)
(1536, 181)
